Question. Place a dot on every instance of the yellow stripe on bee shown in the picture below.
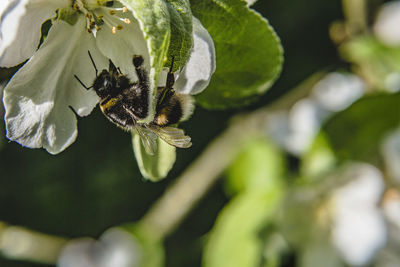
(110, 103)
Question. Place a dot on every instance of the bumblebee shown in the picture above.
(126, 103)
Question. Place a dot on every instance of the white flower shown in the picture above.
(386, 26)
(359, 229)
(115, 248)
(296, 129)
(42, 96)
(338, 222)
(390, 150)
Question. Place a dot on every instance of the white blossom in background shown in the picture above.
(295, 130)
(391, 208)
(40, 97)
(387, 22)
(390, 151)
(389, 256)
(115, 248)
(358, 225)
(337, 91)
(305, 119)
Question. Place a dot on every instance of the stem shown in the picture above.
(23, 244)
(355, 12)
(166, 214)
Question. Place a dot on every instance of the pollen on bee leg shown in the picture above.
(124, 9)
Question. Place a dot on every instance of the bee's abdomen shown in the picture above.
(169, 114)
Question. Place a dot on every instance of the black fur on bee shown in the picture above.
(125, 103)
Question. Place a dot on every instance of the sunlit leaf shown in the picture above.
(167, 28)
(355, 133)
(258, 166)
(378, 63)
(234, 240)
(249, 53)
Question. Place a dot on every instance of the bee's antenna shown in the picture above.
(94, 65)
(87, 88)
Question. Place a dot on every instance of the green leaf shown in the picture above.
(154, 167)
(234, 240)
(319, 159)
(378, 63)
(260, 165)
(355, 133)
(248, 53)
(167, 28)
(181, 31)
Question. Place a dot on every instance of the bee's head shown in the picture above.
(105, 83)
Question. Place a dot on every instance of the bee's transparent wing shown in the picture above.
(149, 139)
(172, 135)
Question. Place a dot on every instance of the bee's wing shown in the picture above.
(172, 135)
(149, 139)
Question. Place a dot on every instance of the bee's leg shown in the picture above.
(140, 71)
(111, 67)
(170, 76)
(130, 112)
(87, 88)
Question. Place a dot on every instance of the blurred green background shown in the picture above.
(95, 184)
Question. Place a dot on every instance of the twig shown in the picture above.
(192, 185)
(355, 12)
(23, 244)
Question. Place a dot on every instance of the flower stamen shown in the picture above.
(126, 20)
(114, 12)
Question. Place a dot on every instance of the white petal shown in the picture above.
(116, 248)
(250, 2)
(358, 226)
(304, 122)
(38, 97)
(3, 6)
(123, 249)
(196, 75)
(20, 28)
(79, 253)
(391, 154)
(337, 91)
(124, 44)
(386, 27)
